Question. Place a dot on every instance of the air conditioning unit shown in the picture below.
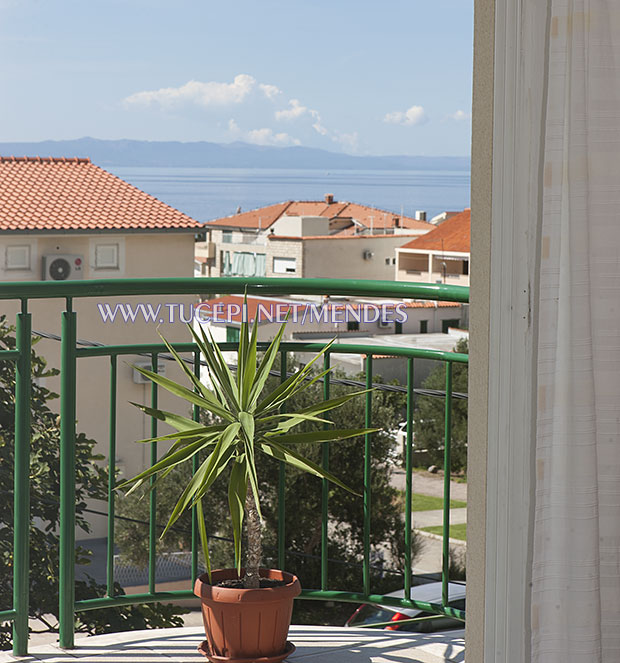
(58, 267)
(138, 378)
(367, 254)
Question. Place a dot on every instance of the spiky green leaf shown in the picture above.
(291, 457)
(237, 491)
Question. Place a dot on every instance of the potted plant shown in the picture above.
(246, 610)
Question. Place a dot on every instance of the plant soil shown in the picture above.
(237, 583)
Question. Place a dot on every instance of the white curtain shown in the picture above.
(261, 264)
(248, 264)
(226, 264)
(576, 557)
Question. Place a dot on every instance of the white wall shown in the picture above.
(300, 226)
(344, 258)
(146, 255)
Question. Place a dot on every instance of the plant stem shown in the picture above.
(251, 579)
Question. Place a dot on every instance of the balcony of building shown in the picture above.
(67, 303)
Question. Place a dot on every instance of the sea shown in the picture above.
(211, 193)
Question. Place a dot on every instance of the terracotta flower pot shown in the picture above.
(246, 624)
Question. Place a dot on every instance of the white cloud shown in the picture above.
(207, 94)
(267, 136)
(270, 91)
(460, 115)
(264, 136)
(316, 125)
(348, 141)
(233, 127)
(296, 110)
(411, 117)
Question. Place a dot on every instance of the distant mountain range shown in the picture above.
(222, 155)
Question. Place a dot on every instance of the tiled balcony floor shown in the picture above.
(315, 644)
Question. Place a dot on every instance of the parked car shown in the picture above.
(368, 613)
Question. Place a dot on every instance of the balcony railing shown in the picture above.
(71, 353)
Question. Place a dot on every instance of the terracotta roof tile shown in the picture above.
(308, 208)
(452, 235)
(381, 218)
(69, 195)
(338, 236)
(264, 216)
(336, 210)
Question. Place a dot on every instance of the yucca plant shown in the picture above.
(251, 422)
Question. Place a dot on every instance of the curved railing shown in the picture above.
(72, 352)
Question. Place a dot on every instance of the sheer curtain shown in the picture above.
(576, 556)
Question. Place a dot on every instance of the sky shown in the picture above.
(355, 76)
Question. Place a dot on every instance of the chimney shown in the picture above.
(420, 215)
(396, 221)
(329, 198)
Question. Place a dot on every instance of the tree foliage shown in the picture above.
(429, 422)
(91, 483)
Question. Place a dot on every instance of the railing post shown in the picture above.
(67, 478)
(445, 567)
(153, 494)
(367, 474)
(408, 478)
(195, 464)
(111, 478)
(21, 505)
(282, 483)
(325, 485)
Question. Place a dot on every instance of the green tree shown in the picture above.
(91, 483)
(429, 415)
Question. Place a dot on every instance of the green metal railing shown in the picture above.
(71, 353)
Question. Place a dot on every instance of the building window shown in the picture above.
(387, 261)
(17, 257)
(248, 264)
(446, 324)
(227, 237)
(232, 334)
(465, 267)
(106, 256)
(423, 326)
(398, 327)
(353, 325)
(393, 261)
(284, 265)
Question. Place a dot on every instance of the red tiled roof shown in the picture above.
(452, 235)
(336, 210)
(74, 195)
(309, 208)
(381, 218)
(264, 216)
(338, 236)
(431, 304)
